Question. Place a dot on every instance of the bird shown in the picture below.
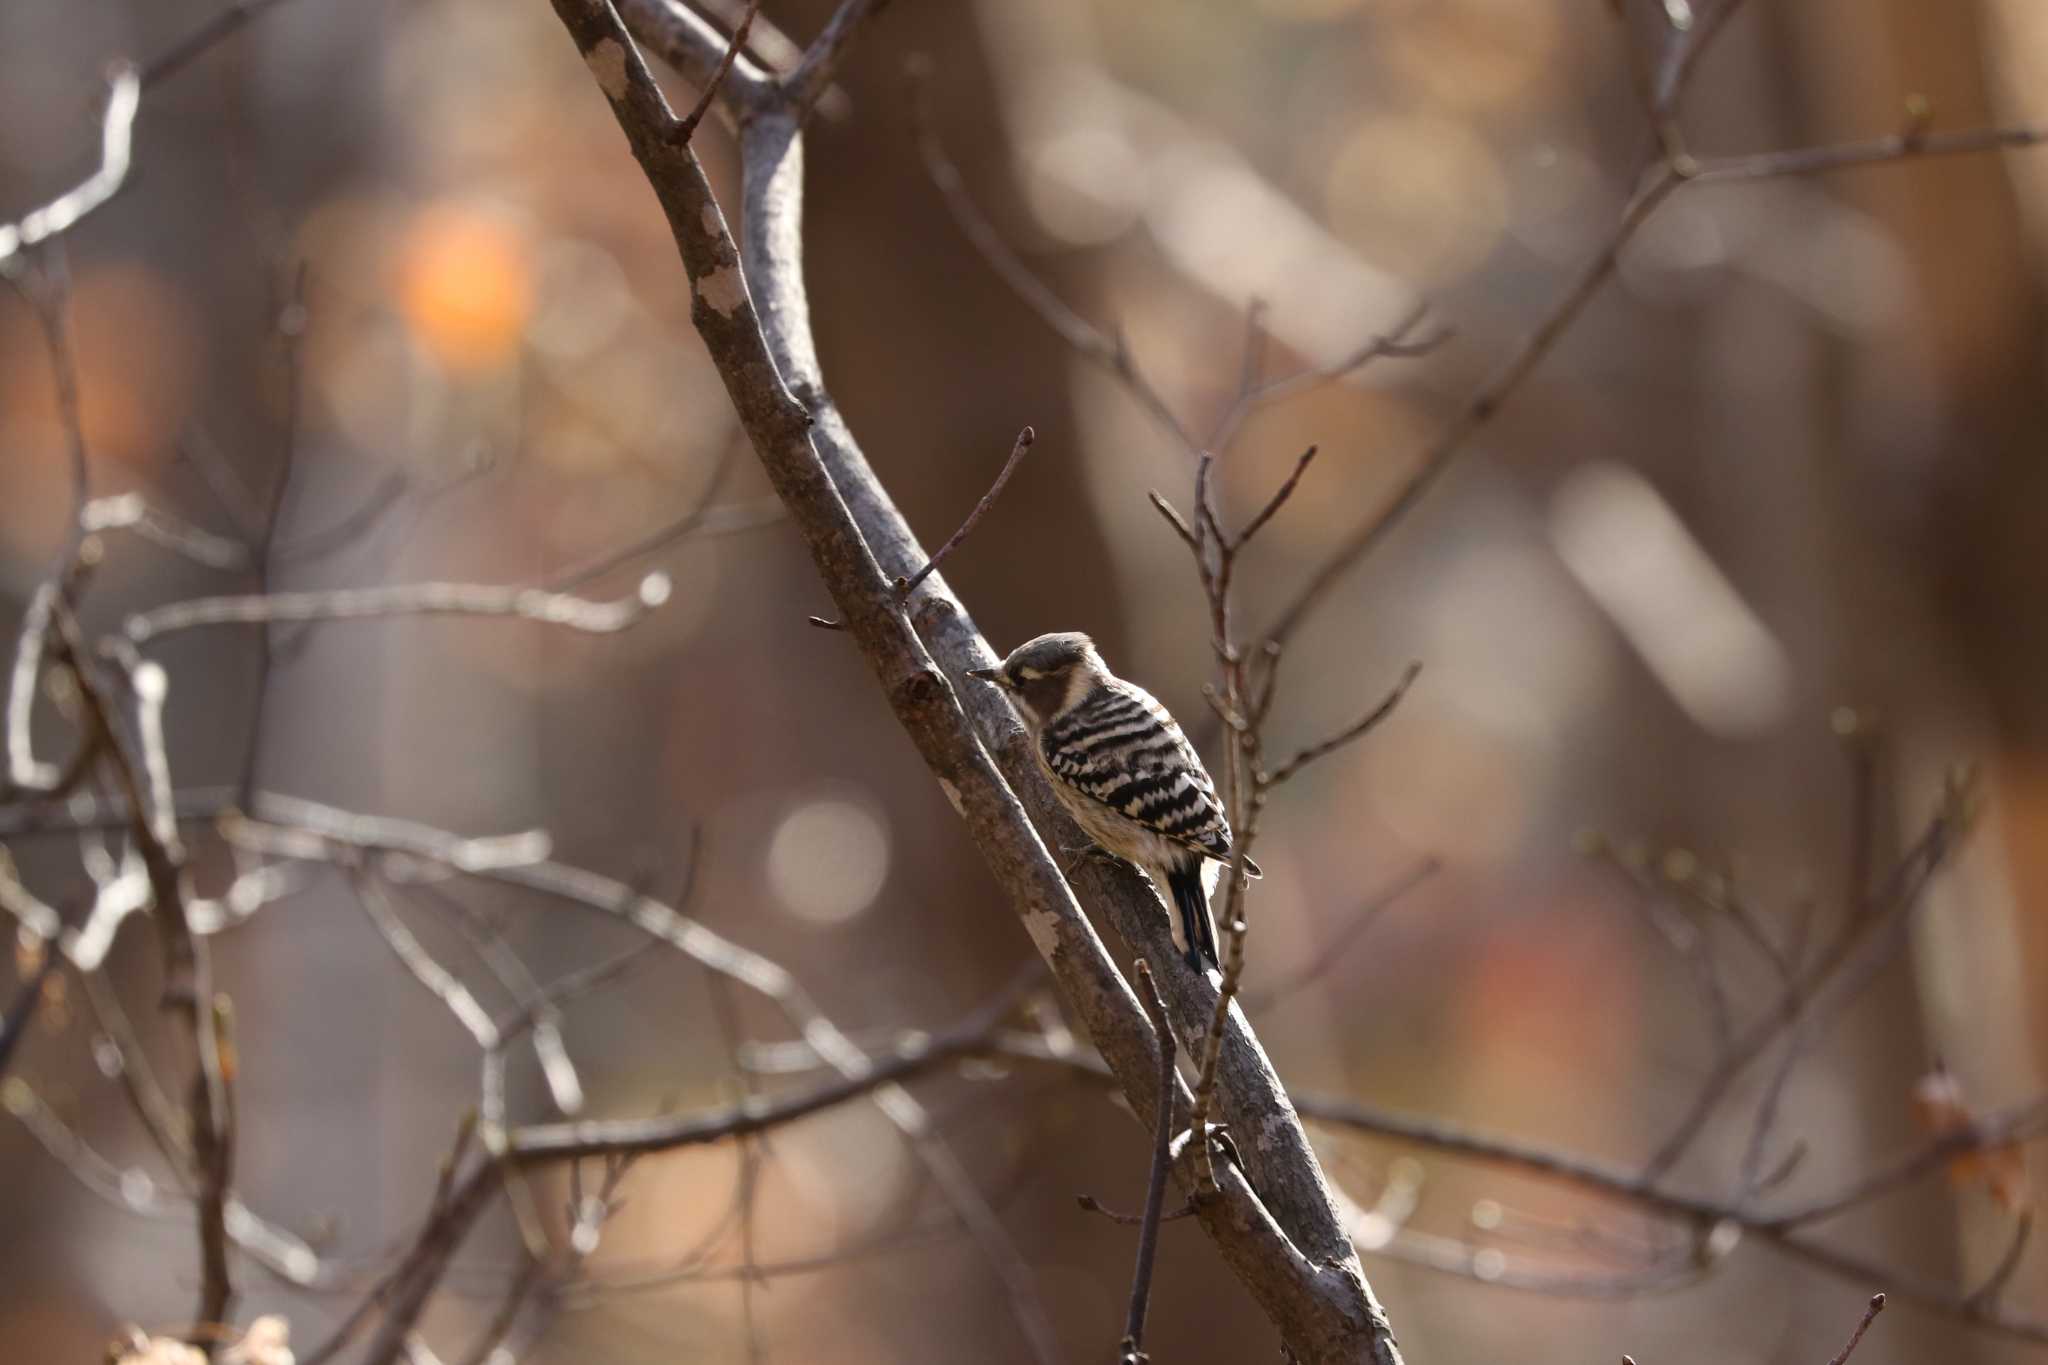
(1123, 769)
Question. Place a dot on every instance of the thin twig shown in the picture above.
(1279, 498)
(443, 984)
(906, 586)
(344, 530)
(1481, 408)
(751, 1151)
(290, 328)
(49, 297)
(213, 1152)
(687, 128)
(1487, 401)
(145, 783)
(813, 75)
(1859, 949)
(1907, 146)
(208, 34)
(685, 37)
(1616, 1182)
(1083, 337)
(1686, 48)
(1155, 1184)
(117, 125)
(129, 511)
(696, 518)
(1329, 953)
(1363, 726)
(1856, 1337)
(1986, 1294)
(403, 599)
(1397, 342)
(489, 1344)
(21, 1012)
(625, 1137)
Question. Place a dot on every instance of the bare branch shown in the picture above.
(124, 95)
(906, 586)
(688, 127)
(1986, 1294)
(1162, 1161)
(1363, 726)
(1175, 520)
(1313, 1288)
(403, 599)
(438, 980)
(24, 769)
(684, 39)
(629, 1137)
(1685, 49)
(129, 511)
(1906, 146)
(1862, 946)
(213, 1153)
(145, 782)
(208, 34)
(1328, 954)
(1705, 1215)
(1856, 1337)
(1085, 338)
(698, 517)
(1666, 178)
(1279, 498)
(21, 1011)
(1481, 408)
(1397, 341)
(805, 85)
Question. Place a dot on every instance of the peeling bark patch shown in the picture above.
(1044, 928)
(714, 226)
(722, 289)
(953, 795)
(607, 62)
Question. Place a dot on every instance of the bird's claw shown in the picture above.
(1088, 853)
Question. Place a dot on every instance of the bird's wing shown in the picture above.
(1121, 749)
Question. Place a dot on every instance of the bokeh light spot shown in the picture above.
(1424, 197)
(1474, 54)
(465, 285)
(828, 859)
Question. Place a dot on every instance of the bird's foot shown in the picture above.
(1089, 853)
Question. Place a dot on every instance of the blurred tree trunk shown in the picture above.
(906, 306)
(1935, 557)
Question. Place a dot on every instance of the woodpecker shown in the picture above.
(1125, 772)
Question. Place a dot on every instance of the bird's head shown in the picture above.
(1047, 675)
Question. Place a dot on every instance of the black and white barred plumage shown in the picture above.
(1125, 772)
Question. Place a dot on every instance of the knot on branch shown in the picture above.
(920, 687)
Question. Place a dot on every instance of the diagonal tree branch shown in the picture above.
(1286, 1243)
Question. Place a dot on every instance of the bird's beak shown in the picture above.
(987, 675)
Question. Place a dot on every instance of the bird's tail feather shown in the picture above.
(1197, 926)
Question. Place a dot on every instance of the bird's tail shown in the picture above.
(1197, 926)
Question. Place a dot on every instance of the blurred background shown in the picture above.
(1790, 461)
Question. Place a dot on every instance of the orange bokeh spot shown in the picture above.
(465, 285)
